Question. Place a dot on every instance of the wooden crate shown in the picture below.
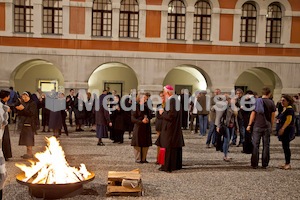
(115, 188)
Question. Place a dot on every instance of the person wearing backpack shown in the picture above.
(262, 120)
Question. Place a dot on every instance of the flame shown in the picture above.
(52, 167)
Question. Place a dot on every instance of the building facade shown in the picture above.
(145, 44)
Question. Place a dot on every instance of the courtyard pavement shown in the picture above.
(204, 175)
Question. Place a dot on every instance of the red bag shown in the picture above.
(161, 156)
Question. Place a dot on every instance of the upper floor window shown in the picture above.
(202, 18)
(23, 16)
(102, 18)
(129, 19)
(176, 20)
(248, 23)
(274, 15)
(52, 16)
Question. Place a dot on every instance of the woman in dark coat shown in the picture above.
(79, 115)
(128, 123)
(102, 121)
(286, 128)
(141, 139)
(118, 121)
(6, 146)
(28, 122)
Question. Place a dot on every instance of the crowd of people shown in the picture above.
(226, 117)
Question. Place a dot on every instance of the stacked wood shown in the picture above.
(124, 183)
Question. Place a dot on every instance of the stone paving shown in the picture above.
(204, 175)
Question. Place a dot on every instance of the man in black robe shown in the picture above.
(171, 137)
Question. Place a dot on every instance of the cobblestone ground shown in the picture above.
(204, 175)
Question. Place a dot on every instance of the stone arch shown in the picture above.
(28, 74)
(285, 4)
(113, 73)
(191, 73)
(255, 78)
(240, 3)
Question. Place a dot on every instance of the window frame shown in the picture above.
(176, 23)
(272, 19)
(201, 16)
(131, 13)
(60, 22)
(102, 13)
(25, 8)
(244, 39)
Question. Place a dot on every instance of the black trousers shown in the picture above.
(119, 136)
(286, 149)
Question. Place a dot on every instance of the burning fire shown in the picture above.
(52, 167)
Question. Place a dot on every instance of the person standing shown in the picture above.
(286, 128)
(102, 121)
(194, 113)
(159, 120)
(263, 118)
(297, 113)
(6, 145)
(229, 118)
(70, 105)
(184, 96)
(211, 137)
(118, 121)
(171, 137)
(13, 99)
(239, 94)
(141, 139)
(27, 112)
(4, 95)
(203, 114)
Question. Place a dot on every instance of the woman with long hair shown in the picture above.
(286, 128)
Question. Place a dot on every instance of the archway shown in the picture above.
(117, 76)
(187, 77)
(33, 74)
(256, 78)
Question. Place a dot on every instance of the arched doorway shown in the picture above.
(187, 77)
(258, 77)
(117, 76)
(34, 74)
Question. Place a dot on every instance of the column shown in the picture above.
(115, 20)
(189, 21)
(37, 18)
(261, 23)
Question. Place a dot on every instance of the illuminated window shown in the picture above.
(102, 18)
(129, 19)
(23, 16)
(248, 25)
(202, 18)
(176, 20)
(52, 16)
(274, 15)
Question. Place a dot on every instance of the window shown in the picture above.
(202, 19)
(129, 19)
(52, 16)
(273, 33)
(176, 20)
(23, 16)
(248, 25)
(102, 18)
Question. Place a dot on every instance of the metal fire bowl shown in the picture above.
(54, 191)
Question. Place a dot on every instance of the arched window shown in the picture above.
(202, 18)
(129, 19)
(52, 16)
(102, 16)
(23, 16)
(176, 20)
(274, 15)
(248, 24)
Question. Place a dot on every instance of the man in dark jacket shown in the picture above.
(171, 137)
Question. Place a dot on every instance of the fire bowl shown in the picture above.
(54, 191)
